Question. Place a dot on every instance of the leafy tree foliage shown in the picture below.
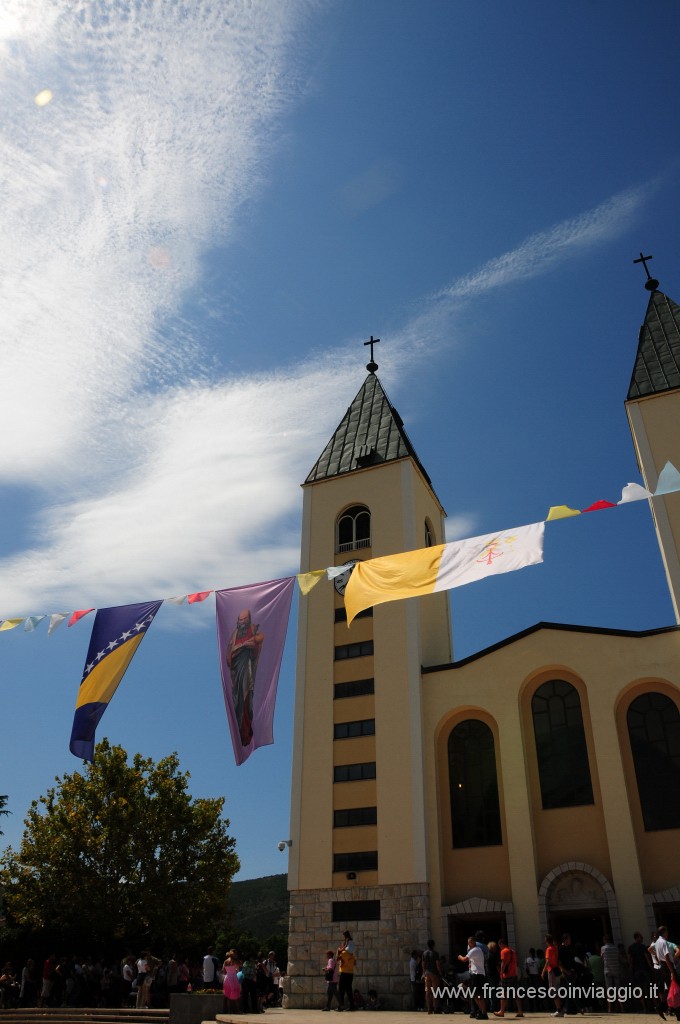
(122, 854)
(3, 801)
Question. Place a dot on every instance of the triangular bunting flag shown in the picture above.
(176, 600)
(561, 512)
(77, 616)
(308, 580)
(634, 492)
(337, 570)
(32, 622)
(669, 480)
(9, 624)
(197, 598)
(56, 620)
(598, 505)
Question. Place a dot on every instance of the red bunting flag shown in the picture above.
(77, 616)
(197, 598)
(599, 505)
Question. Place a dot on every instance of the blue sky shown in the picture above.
(220, 203)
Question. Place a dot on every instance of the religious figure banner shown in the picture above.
(251, 633)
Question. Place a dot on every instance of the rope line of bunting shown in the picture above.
(668, 483)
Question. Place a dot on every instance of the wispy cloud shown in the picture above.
(541, 251)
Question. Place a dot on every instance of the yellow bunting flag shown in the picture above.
(308, 580)
(561, 512)
(10, 624)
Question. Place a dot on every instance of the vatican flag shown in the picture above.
(429, 570)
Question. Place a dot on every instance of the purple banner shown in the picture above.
(251, 633)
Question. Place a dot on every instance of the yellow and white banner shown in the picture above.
(429, 570)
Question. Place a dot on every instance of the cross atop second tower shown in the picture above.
(372, 366)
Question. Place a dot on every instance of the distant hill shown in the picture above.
(260, 905)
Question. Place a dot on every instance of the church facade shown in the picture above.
(517, 790)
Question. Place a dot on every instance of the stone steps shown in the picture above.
(83, 1015)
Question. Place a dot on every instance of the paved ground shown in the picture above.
(399, 1017)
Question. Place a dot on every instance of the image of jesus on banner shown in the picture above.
(243, 654)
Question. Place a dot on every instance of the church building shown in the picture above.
(517, 790)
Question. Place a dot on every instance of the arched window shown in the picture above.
(654, 731)
(473, 784)
(354, 529)
(429, 534)
(561, 749)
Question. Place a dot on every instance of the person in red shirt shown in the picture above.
(508, 979)
(553, 971)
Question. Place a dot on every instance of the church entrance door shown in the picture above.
(463, 925)
(585, 926)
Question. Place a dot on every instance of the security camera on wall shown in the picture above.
(284, 843)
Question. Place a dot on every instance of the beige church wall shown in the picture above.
(563, 834)
(360, 837)
(434, 610)
(361, 629)
(352, 751)
(659, 871)
(354, 794)
(354, 709)
(351, 668)
(496, 684)
(398, 744)
(487, 865)
(311, 857)
(380, 489)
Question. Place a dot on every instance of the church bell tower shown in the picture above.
(653, 408)
(358, 859)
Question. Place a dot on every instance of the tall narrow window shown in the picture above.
(475, 810)
(354, 529)
(654, 731)
(429, 534)
(561, 748)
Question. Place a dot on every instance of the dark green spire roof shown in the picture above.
(657, 365)
(370, 432)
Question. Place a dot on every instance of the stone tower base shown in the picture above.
(383, 948)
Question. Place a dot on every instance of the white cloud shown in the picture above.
(204, 504)
(460, 526)
(112, 191)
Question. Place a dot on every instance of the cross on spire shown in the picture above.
(651, 284)
(372, 366)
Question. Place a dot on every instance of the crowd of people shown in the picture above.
(556, 978)
(251, 982)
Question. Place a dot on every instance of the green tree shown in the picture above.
(122, 854)
(3, 801)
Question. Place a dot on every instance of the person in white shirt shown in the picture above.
(665, 962)
(475, 960)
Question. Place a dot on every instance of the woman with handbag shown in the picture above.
(330, 972)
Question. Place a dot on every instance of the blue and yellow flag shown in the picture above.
(116, 635)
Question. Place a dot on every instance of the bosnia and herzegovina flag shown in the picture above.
(441, 567)
(116, 635)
